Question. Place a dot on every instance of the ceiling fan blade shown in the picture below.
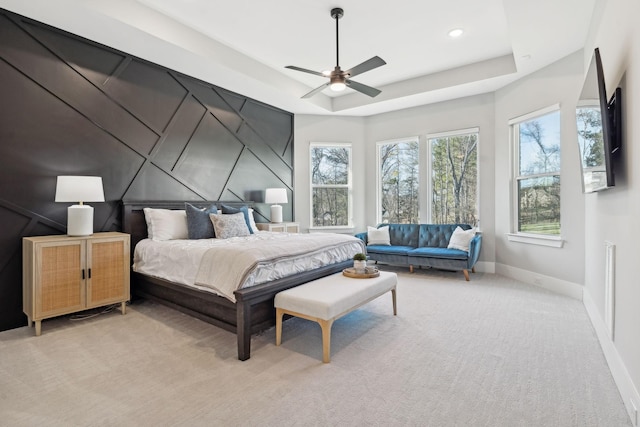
(316, 90)
(367, 90)
(367, 65)
(304, 70)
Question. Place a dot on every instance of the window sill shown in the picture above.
(342, 230)
(535, 239)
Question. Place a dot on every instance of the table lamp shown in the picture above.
(274, 196)
(79, 189)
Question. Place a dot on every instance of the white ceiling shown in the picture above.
(244, 45)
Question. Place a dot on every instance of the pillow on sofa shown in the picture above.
(229, 225)
(460, 239)
(378, 236)
(199, 224)
(166, 224)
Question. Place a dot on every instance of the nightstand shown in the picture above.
(289, 227)
(65, 274)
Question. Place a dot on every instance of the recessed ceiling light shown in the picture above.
(456, 32)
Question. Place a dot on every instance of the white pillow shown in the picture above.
(166, 224)
(378, 236)
(460, 239)
(252, 222)
(229, 225)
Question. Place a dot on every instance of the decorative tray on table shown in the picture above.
(368, 273)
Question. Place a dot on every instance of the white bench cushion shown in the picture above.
(331, 296)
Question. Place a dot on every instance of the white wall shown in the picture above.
(312, 128)
(613, 214)
(560, 83)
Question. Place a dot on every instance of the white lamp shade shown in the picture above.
(79, 189)
(275, 195)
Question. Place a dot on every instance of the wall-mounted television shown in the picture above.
(598, 120)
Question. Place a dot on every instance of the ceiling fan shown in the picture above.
(338, 79)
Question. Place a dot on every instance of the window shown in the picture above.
(454, 177)
(330, 185)
(536, 143)
(398, 182)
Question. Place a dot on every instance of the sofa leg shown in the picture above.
(473, 269)
(466, 274)
(410, 268)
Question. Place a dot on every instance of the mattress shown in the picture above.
(222, 266)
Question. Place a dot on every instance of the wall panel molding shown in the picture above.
(71, 106)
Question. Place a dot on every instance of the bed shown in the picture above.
(253, 309)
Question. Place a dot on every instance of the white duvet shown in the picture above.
(224, 265)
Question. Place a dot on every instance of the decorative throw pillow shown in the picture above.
(252, 222)
(378, 236)
(166, 224)
(244, 209)
(199, 224)
(229, 225)
(460, 239)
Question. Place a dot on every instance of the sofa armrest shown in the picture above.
(474, 250)
(363, 237)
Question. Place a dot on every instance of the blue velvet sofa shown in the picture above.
(425, 245)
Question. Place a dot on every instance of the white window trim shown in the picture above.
(514, 146)
(415, 138)
(349, 186)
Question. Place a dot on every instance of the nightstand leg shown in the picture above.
(38, 327)
(123, 307)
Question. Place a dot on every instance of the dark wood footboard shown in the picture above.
(253, 310)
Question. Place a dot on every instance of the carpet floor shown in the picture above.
(489, 352)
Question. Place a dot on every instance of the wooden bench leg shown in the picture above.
(325, 325)
(393, 297)
(466, 274)
(278, 326)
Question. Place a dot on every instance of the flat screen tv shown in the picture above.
(598, 120)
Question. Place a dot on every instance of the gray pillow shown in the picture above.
(244, 209)
(230, 225)
(199, 224)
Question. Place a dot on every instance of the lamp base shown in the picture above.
(80, 220)
(276, 213)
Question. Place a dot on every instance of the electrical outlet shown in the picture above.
(634, 413)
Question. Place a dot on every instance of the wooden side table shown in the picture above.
(64, 274)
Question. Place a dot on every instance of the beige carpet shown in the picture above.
(490, 352)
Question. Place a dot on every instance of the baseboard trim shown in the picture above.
(627, 389)
(485, 267)
(558, 286)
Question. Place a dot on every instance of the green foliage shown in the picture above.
(359, 257)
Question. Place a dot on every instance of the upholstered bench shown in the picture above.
(329, 298)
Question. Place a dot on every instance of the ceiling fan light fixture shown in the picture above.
(337, 86)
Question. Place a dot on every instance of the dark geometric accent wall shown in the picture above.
(69, 106)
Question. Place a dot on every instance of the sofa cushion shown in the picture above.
(389, 250)
(442, 253)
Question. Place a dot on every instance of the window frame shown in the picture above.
(447, 134)
(514, 234)
(421, 167)
(348, 186)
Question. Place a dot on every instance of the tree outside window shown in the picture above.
(537, 143)
(330, 185)
(399, 182)
(454, 178)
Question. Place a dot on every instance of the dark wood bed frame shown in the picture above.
(253, 310)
